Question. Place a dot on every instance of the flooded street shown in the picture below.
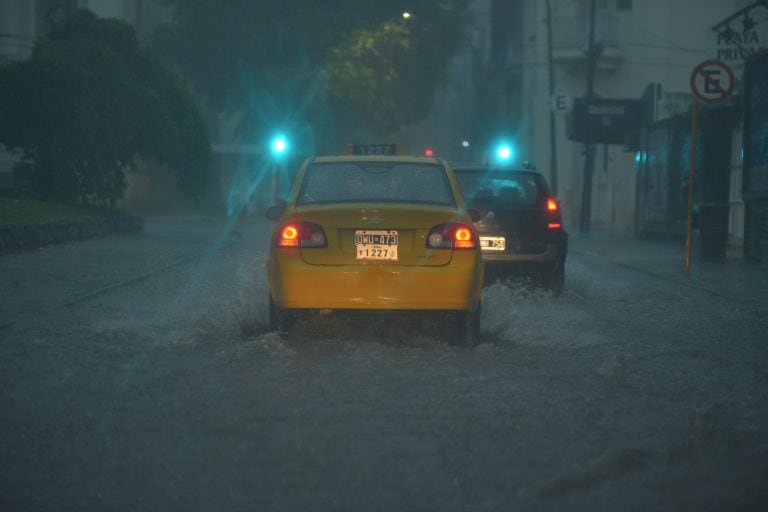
(138, 373)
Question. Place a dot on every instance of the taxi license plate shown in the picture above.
(376, 245)
(492, 243)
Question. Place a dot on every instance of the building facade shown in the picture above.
(639, 43)
(502, 84)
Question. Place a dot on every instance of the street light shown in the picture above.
(406, 15)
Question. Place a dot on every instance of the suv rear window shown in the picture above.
(484, 189)
(376, 182)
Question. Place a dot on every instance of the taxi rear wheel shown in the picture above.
(468, 327)
(278, 318)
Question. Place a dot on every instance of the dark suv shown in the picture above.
(521, 229)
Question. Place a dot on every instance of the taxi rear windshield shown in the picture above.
(499, 190)
(376, 182)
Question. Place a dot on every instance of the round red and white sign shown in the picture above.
(712, 82)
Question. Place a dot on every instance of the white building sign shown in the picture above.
(734, 47)
(561, 103)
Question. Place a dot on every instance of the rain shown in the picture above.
(148, 158)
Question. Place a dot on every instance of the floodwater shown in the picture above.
(138, 372)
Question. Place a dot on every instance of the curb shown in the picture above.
(17, 237)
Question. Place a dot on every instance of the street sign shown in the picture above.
(712, 82)
(603, 120)
(561, 103)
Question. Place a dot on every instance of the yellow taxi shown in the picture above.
(375, 230)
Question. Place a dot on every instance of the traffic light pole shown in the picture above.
(589, 148)
(552, 130)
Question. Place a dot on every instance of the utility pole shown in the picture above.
(589, 148)
(552, 126)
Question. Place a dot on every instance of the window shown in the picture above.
(369, 182)
(498, 190)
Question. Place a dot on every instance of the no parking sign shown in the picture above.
(712, 82)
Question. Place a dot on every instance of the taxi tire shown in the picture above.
(468, 328)
(278, 319)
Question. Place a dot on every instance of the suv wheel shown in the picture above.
(554, 279)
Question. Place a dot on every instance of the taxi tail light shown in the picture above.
(301, 234)
(452, 236)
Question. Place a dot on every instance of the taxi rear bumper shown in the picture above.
(294, 284)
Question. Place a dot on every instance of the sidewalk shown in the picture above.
(665, 259)
(17, 237)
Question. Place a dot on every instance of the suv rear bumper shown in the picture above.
(552, 254)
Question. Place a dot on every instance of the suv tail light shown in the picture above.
(301, 234)
(553, 214)
(452, 236)
(552, 205)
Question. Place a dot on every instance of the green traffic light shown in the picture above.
(279, 145)
(504, 152)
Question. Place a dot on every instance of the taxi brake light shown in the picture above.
(301, 234)
(463, 238)
(289, 236)
(451, 236)
(554, 225)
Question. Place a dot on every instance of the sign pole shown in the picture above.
(691, 176)
(585, 215)
(712, 82)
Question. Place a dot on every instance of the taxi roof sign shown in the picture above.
(374, 149)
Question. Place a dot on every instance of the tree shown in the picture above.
(89, 102)
(332, 65)
(385, 78)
